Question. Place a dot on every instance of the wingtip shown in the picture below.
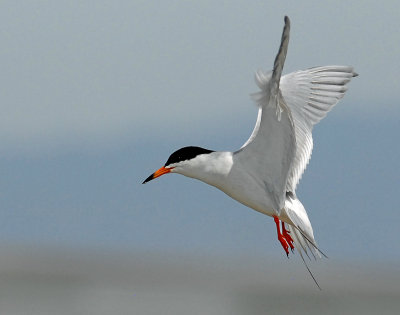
(286, 19)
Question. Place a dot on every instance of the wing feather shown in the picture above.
(310, 94)
(268, 154)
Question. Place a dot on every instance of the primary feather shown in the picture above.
(269, 152)
(307, 96)
(311, 94)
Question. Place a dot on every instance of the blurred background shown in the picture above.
(96, 95)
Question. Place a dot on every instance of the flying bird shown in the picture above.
(263, 174)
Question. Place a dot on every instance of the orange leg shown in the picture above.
(281, 238)
(286, 235)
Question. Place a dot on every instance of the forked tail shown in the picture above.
(301, 231)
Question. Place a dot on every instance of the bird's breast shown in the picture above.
(246, 189)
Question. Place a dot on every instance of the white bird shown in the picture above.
(264, 172)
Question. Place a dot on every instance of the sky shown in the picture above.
(96, 96)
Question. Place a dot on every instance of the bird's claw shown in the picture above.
(287, 237)
(284, 244)
(284, 238)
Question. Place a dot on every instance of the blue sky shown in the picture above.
(96, 96)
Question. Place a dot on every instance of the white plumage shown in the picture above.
(263, 174)
(303, 99)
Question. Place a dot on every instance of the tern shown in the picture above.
(263, 174)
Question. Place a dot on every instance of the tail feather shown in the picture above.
(301, 231)
(300, 245)
(309, 271)
(301, 228)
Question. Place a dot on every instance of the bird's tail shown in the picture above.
(300, 228)
(301, 231)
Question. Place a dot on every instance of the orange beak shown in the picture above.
(163, 170)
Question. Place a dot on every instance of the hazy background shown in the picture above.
(94, 97)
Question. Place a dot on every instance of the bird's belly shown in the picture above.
(248, 192)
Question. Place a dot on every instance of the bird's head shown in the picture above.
(182, 161)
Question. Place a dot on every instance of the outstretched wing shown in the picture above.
(268, 154)
(310, 94)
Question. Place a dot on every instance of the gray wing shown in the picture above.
(310, 94)
(268, 154)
